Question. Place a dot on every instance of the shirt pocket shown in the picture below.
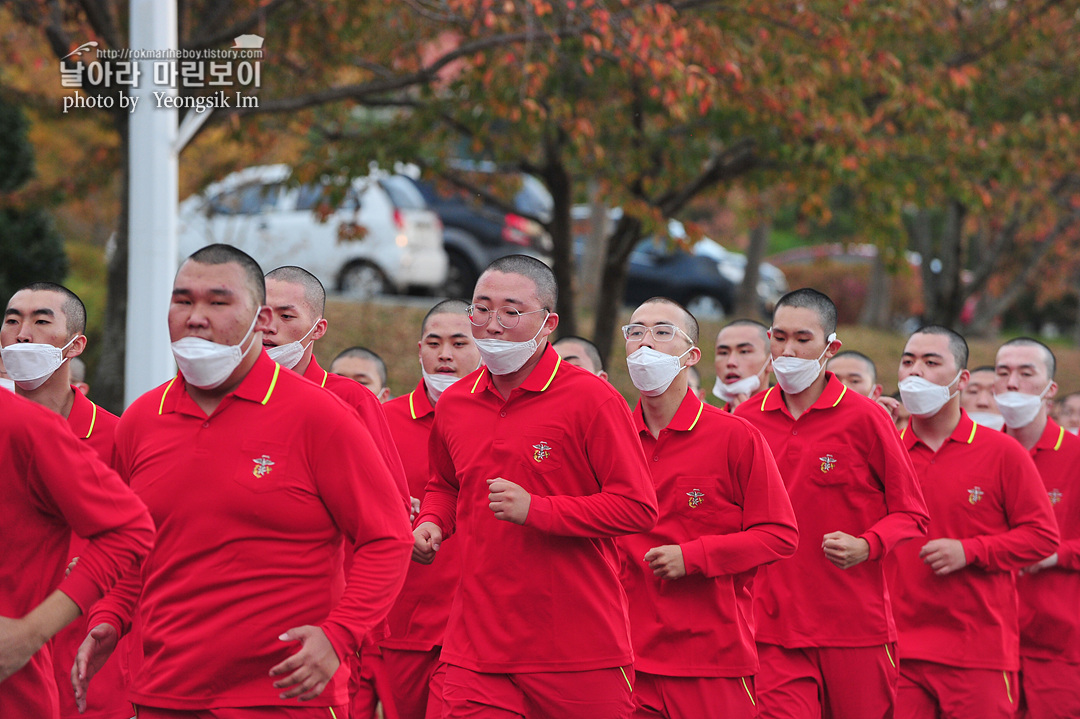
(830, 465)
(261, 466)
(703, 508)
(542, 450)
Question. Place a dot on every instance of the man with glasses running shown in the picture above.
(724, 512)
(536, 466)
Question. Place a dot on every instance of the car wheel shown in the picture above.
(362, 281)
(460, 277)
(706, 307)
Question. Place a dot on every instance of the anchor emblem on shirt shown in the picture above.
(827, 462)
(696, 497)
(263, 466)
(1054, 495)
(975, 494)
(543, 451)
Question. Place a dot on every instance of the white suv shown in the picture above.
(372, 237)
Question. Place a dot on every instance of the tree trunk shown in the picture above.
(108, 383)
(876, 309)
(747, 303)
(560, 186)
(943, 292)
(613, 282)
(595, 247)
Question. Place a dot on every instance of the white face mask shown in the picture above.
(207, 364)
(288, 355)
(1073, 430)
(1019, 409)
(795, 374)
(31, 364)
(8, 384)
(988, 419)
(746, 386)
(922, 398)
(653, 372)
(503, 357)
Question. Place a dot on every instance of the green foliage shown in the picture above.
(30, 248)
(16, 154)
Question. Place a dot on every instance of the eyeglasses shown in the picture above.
(507, 317)
(660, 333)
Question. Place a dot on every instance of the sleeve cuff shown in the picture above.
(343, 642)
(104, 616)
(540, 513)
(877, 548)
(694, 559)
(82, 590)
(973, 548)
(430, 517)
(1067, 558)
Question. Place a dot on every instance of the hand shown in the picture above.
(666, 562)
(509, 501)
(414, 510)
(311, 668)
(890, 405)
(17, 644)
(92, 655)
(944, 556)
(426, 541)
(71, 565)
(844, 550)
(1051, 561)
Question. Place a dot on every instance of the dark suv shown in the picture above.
(475, 234)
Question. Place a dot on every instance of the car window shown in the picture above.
(247, 200)
(403, 193)
(309, 196)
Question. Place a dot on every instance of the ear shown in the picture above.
(550, 324)
(265, 317)
(965, 377)
(832, 349)
(384, 395)
(76, 347)
(320, 329)
(603, 376)
(1052, 391)
(694, 357)
(878, 389)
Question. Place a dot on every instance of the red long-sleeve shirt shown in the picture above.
(418, 617)
(983, 489)
(845, 470)
(1050, 600)
(50, 485)
(96, 427)
(545, 596)
(722, 500)
(251, 505)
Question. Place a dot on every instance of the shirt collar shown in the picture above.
(964, 433)
(257, 386)
(83, 415)
(419, 404)
(315, 373)
(1052, 437)
(685, 419)
(541, 377)
(830, 397)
